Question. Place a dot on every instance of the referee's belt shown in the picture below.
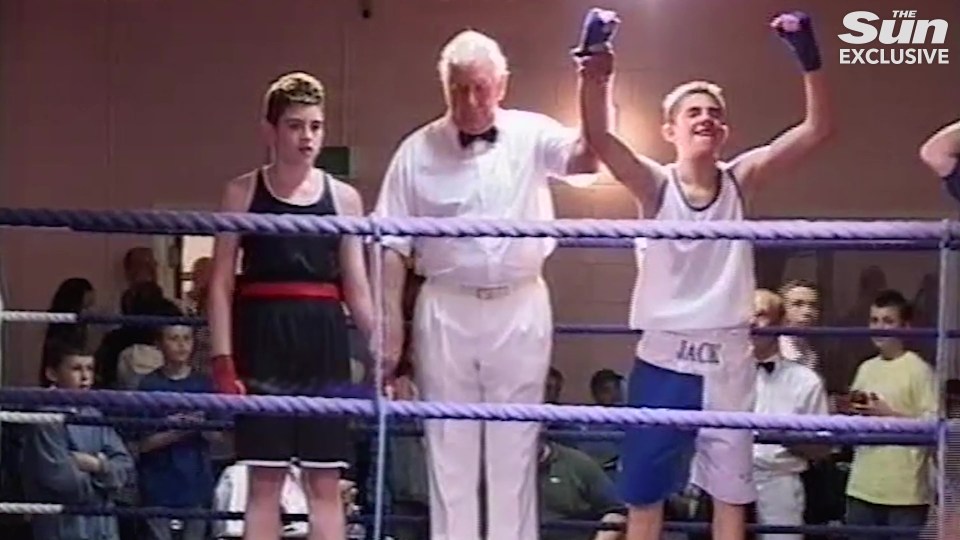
(493, 292)
(291, 290)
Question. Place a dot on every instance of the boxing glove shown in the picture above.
(599, 26)
(796, 30)
(224, 375)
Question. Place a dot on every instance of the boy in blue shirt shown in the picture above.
(175, 467)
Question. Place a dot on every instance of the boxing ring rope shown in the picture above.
(517, 412)
(762, 437)
(802, 234)
(20, 316)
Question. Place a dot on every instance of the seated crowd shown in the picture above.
(184, 468)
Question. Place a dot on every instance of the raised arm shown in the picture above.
(637, 173)
(798, 142)
(941, 153)
(236, 198)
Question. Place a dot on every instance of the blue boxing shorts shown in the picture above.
(701, 370)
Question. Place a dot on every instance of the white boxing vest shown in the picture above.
(693, 286)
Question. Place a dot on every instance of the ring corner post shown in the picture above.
(947, 497)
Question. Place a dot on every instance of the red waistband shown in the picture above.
(290, 290)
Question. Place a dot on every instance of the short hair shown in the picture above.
(468, 48)
(672, 100)
(798, 284)
(775, 300)
(555, 373)
(56, 351)
(291, 89)
(894, 299)
(603, 377)
(129, 255)
(164, 307)
(139, 299)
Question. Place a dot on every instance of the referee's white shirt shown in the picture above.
(791, 388)
(432, 175)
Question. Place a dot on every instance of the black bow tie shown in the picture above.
(769, 366)
(466, 139)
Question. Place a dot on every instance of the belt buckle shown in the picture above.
(490, 293)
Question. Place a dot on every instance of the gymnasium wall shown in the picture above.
(154, 103)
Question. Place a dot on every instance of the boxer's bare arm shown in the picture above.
(356, 284)
(236, 198)
(942, 150)
(641, 175)
(756, 166)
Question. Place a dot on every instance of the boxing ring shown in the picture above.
(19, 403)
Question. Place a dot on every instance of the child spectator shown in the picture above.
(175, 466)
(889, 485)
(73, 464)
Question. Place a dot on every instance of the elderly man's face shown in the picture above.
(473, 94)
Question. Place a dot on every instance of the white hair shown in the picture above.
(469, 48)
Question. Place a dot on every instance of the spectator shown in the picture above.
(195, 305)
(783, 387)
(142, 299)
(73, 295)
(801, 302)
(73, 464)
(195, 300)
(573, 486)
(889, 485)
(139, 266)
(554, 387)
(606, 388)
(175, 469)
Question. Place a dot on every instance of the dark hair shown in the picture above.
(141, 298)
(891, 298)
(556, 374)
(68, 298)
(602, 378)
(128, 256)
(291, 89)
(164, 308)
(55, 352)
(69, 295)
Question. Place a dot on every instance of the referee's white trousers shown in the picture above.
(472, 349)
(780, 501)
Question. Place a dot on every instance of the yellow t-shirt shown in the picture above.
(895, 475)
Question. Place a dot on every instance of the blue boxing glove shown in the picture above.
(796, 30)
(599, 26)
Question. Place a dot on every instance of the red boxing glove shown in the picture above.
(224, 375)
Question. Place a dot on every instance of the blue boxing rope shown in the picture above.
(319, 406)
(791, 245)
(208, 223)
(23, 316)
(572, 435)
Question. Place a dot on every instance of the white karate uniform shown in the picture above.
(483, 327)
(791, 388)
